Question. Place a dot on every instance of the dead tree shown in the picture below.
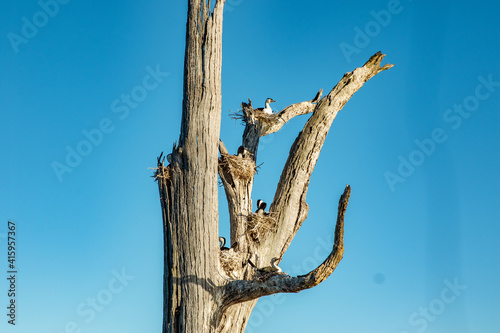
(207, 289)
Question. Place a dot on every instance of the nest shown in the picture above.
(230, 261)
(260, 225)
(162, 172)
(265, 118)
(253, 115)
(238, 115)
(240, 167)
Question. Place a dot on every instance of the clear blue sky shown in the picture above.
(419, 144)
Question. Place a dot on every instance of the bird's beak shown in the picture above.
(273, 100)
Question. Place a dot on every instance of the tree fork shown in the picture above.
(247, 290)
(199, 296)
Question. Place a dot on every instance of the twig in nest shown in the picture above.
(230, 261)
(258, 226)
(240, 167)
(162, 172)
(238, 115)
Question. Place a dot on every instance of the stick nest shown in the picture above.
(240, 167)
(250, 115)
(260, 225)
(230, 261)
(162, 172)
(265, 118)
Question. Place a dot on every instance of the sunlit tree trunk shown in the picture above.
(207, 289)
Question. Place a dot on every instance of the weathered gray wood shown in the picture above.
(205, 288)
(192, 222)
(289, 200)
(246, 290)
(238, 192)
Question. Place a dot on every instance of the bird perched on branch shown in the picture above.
(273, 268)
(267, 109)
(268, 269)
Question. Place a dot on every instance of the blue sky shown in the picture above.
(419, 144)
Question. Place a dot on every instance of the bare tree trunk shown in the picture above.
(208, 289)
(191, 210)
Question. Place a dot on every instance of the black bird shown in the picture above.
(261, 205)
(241, 152)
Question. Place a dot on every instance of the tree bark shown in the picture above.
(208, 289)
(191, 208)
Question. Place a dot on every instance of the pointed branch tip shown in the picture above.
(376, 59)
(347, 193)
(317, 97)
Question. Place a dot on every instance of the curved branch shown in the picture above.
(289, 201)
(246, 290)
(275, 122)
(259, 124)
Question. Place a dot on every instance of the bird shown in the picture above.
(241, 152)
(267, 109)
(222, 242)
(273, 268)
(261, 205)
(268, 269)
(169, 158)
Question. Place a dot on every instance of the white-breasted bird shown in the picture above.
(271, 269)
(222, 242)
(241, 152)
(267, 109)
(261, 205)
